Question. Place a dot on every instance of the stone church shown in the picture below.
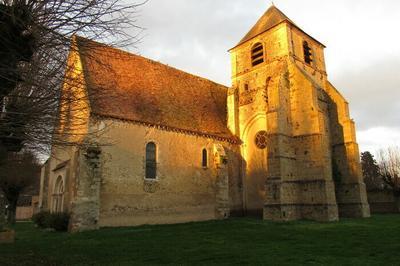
(171, 147)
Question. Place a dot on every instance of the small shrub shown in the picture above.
(41, 219)
(57, 221)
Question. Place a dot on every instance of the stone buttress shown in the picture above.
(85, 207)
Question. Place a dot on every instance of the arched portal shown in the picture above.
(58, 195)
(255, 152)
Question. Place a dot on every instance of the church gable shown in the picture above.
(74, 107)
(130, 87)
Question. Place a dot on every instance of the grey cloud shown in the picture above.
(373, 92)
(195, 35)
(179, 30)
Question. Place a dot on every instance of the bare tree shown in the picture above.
(19, 171)
(35, 39)
(389, 168)
(36, 96)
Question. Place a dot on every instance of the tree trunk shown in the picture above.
(12, 211)
(2, 214)
(397, 201)
(396, 194)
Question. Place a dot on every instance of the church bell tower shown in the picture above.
(281, 107)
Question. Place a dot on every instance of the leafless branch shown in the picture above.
(389, 167)
(38, 100)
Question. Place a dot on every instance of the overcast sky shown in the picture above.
(362, 55)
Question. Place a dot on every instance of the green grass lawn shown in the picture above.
(374, 241)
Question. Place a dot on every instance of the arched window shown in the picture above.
(151, 161)
(58, 195)
(204, 158)
(257, 54)
(307, 53)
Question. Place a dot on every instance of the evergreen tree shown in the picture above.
(370, 169)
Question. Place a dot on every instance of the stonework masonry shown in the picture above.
(183, 191)
(382, 201)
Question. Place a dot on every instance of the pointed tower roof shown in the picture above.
(271, 18)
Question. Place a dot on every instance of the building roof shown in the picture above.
(271, 18)
(126, 86)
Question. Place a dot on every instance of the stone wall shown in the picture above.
(183, 191)
(350, 190)
(110, 189)
(317, 68)
(24, 213)
(72, 128)
(382, 201)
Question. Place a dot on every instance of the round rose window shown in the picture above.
(261, 139)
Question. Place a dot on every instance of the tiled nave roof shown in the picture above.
(141, 90)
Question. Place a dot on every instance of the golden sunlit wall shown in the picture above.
(74, 102)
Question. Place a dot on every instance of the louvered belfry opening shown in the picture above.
(307, 53)
(257, 54)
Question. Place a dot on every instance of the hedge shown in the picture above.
(57, 221)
